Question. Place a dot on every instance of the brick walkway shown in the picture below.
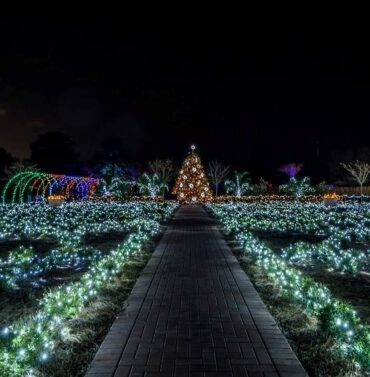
(194, 312)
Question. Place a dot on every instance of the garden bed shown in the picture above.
(316, 351)
(354, 289)
(23, 300)
(86, 331)
(57, 298)
(312, 260)
(41, 246)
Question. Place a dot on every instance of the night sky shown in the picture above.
(252, 97)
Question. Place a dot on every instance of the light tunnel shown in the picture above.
(32, 186)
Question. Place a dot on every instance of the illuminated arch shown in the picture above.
(44, 184)
(72, 182)
(93, 183)
(82, 188)
(53, 182)
(19, 186)
(26, 184)
(35, 182)
(21, 181)
(39, 183)
(57, 180)
(11, 181)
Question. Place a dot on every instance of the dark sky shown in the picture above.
(254, 97)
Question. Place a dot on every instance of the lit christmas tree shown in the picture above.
(192, 184)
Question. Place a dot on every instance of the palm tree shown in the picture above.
(21, 166)
(164, 169)
(150, 184)
(115, 179)
(297, 187)
(239, 184)
(109, 171)
(121, 186)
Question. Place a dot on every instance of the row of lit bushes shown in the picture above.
(266, 198)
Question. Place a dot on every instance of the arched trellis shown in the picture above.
(18, 184)
(44, 185)
(40, 184)
(72, 182)
(54, 182)
(27, 185)
(82, 188)
(92, 184)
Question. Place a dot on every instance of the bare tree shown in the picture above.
(359, 170)
(164, 169)
(217, 172)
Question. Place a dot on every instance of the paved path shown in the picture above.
(194, 312)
